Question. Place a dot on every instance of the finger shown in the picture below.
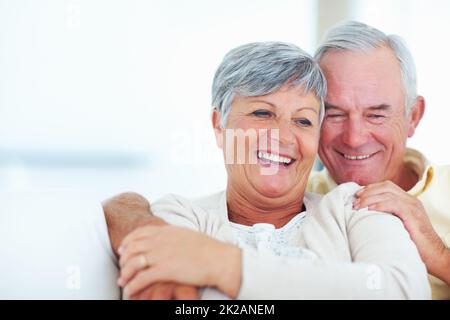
(157, 291)
(144, 279)
(139, 234)
(164, 291)
(139, 247)
(186, 292)
(129, 269)
(380, 187)
(365, 201)
(145, 294)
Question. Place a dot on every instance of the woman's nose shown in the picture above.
(285, 133)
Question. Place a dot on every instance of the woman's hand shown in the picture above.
(390, 198)
(154, 254)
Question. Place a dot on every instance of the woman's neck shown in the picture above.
(245, 211)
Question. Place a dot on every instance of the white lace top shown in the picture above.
(267, 240)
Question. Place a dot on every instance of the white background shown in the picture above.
(109, 96)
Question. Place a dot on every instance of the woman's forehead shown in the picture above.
(282, 99)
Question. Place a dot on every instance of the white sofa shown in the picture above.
(55, 245)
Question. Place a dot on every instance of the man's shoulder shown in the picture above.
(442, 172)
(437, 182)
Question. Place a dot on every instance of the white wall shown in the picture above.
(115, 95)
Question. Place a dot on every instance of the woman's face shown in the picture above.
(270, 142)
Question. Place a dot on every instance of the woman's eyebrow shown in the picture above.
(307, 108)
(274, 106)
(263, 101)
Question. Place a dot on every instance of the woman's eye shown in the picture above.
(304, 122)
(262, 113)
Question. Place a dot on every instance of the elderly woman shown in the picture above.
(264, 237)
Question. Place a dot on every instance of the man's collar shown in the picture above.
(422, 168)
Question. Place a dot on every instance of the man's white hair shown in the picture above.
(354, 35)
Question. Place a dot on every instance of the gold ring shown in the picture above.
(143, 260)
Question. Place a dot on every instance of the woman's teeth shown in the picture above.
(274, 158)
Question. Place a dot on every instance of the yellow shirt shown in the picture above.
(433, 190)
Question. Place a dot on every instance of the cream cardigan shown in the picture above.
(361, 254)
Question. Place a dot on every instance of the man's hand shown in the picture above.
(127, 212)
(390, 198)
(167, 291)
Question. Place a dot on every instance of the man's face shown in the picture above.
(364, 133)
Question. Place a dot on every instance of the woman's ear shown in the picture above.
(417, 112)
(218, 131)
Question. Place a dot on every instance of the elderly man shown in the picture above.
(372, 108)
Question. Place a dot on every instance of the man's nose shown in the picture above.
(355, 133)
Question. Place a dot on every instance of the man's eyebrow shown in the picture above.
(274, 106)
(329, 106)
(380, 107)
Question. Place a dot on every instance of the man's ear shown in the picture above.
(417, 112)
(218, 131)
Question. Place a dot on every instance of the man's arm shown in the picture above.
(127, 212)
(124, 213)
(443, 272)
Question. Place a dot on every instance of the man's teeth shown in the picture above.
(357, 157)
(274, 157)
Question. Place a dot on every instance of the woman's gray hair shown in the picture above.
(354, 35)
(260, 68)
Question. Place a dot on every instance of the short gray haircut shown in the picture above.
(260, 68)
(354, 35)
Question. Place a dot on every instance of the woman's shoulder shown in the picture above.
(342, 194)
(336, 204)
(197, 213)
(207, 203)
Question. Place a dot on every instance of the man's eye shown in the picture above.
(262, 113)
(335, 115)
(376, 118)
(304, 122)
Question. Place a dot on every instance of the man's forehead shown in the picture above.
(372, 64)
